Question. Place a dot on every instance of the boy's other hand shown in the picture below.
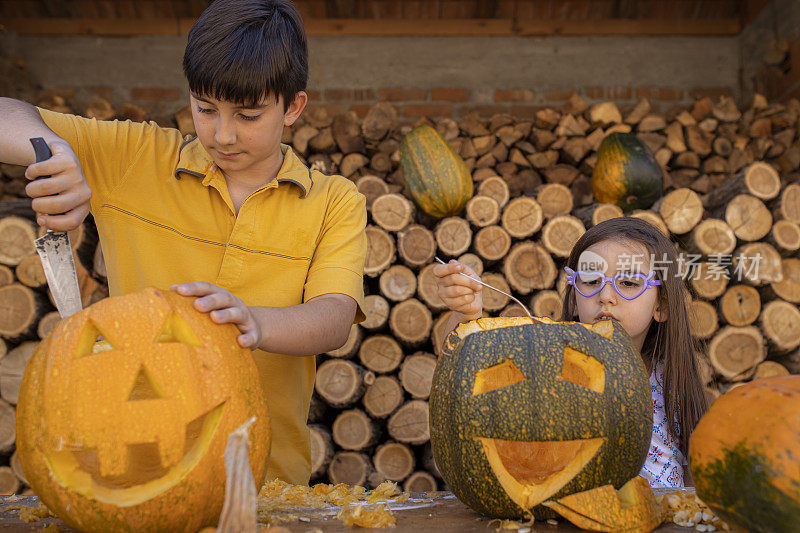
(61, 201)
(224, 308)
(459, 293)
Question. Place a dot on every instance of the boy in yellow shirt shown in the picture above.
(231, 217)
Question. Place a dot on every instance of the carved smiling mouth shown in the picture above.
(530, 472)
(145, 477)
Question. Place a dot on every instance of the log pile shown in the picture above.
(731, 193)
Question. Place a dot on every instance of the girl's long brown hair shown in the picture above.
(670, 342)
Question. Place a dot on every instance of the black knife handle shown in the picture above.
(42, 151)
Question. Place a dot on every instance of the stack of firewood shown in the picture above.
(731, 195)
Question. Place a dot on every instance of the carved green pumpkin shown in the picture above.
(525, 412)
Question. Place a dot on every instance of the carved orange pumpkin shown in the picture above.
(130, 433)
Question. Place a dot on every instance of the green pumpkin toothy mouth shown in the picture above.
(530, 472)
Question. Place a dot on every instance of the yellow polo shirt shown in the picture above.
(164, 216)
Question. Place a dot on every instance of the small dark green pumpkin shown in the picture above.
(435, 175)
(525, 412)
(626, 173)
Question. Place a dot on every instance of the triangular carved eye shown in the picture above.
(496, 377)
(92, 341)
(143, 388)
(175, 329)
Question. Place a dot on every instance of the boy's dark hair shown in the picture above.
(669, 343)
(243, 50)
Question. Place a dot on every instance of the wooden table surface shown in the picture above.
(419, 515)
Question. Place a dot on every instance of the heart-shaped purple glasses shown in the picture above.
(629, 286)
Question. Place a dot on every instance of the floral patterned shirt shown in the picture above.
(665, 461)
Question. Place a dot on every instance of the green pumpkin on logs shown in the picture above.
(435, 175)
(626, 173)
(524, 412)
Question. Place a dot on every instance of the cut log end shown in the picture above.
(780, 322)
(681, 210)
(380, 353)
(392, 212)
(393, 461)
(482, 211)
(493, 300)
(383, 397)
(748, 217)
(428, 290)
(352, 468)
(712, 237)
(522, 217)
(561, 233)
(734, 352)
(788, 288)
(420, 482)
(410, 423)
(703, 319)
(411, 322)
(529, 267)
(492, 243)
(416, 374)
(416, 245)
(340, 382)
(321, 449)
(496, 188)
(547, 304)
(16, 239)
(398, 283)
(376, 312)
(740, 305)
(380, 251)
(453, 236)
(354, 430)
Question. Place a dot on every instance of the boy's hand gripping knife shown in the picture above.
(55, 253)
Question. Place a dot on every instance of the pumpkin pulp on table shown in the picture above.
(522, 412)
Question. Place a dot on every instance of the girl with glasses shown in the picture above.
(610, 276)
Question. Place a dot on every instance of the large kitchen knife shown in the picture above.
(56, 254)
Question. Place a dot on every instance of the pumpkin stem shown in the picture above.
(239, 510)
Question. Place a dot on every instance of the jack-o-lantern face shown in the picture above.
(523, 412)
(130, 432)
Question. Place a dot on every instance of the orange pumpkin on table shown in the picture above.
(129, 433)
(744, 456)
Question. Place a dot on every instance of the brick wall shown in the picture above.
(159, 103)
(427, 76)
(521, 102)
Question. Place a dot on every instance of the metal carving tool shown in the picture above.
(55, 253)
(524, 307)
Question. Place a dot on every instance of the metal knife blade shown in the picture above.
(55, 253)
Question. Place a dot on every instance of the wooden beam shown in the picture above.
(751, 9)
(388, 27)
(411, 27)
(108, 27)
(628, 27)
